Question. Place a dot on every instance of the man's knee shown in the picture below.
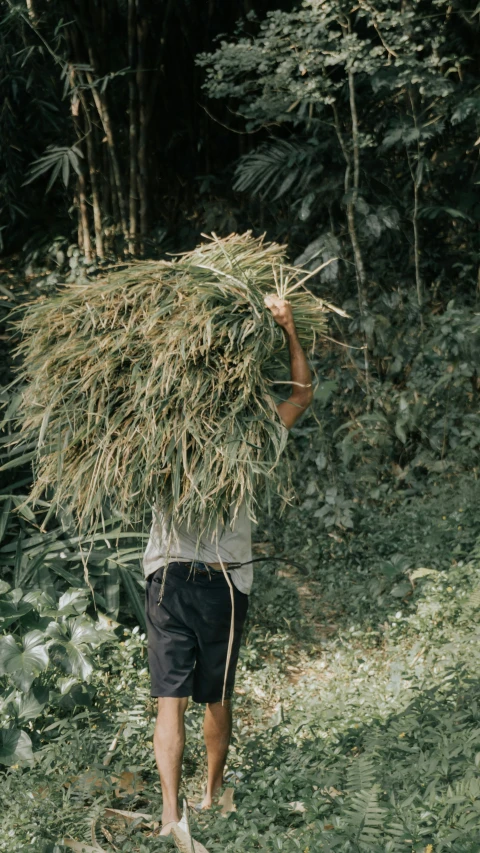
(219, 710)
(171, 706)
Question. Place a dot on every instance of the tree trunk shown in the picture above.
(141, 80)
(113, 195)
(359, 265)
(104, 114)
(76, 98)
(76, 202)
(88, 28)
(133, 120)
(352, 195)
(82, 200)
(92, 166)
(416, 242)
(416, 179)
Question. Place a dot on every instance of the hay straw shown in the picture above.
(153, 385)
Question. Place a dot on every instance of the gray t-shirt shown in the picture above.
(221, 543)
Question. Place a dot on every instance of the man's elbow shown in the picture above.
(304, 399)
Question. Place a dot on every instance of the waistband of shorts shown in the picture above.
(193, 569)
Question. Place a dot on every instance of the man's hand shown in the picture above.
(281, 311)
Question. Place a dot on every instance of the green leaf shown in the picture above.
(324, 391)
(13, 607)
(15, 747)
(422, 573)
(28, 706)
(72, 694)
(65, 170)
(112, 589)
(71, 642)
(400, 590)
(23, 508)
(26, 661)
(20, 460)
(133, 596)
(73, 602)
(4, 517)
(43, 603)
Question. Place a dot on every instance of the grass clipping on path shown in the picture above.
(153, 384)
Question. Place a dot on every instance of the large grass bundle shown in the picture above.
(154, 384)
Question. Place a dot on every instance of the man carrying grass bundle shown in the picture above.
(189, 614)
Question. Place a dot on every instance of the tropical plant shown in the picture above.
(46, 660)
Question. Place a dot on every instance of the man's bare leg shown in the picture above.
(217, 729)
(168, 744)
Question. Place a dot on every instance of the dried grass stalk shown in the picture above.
(153, 384)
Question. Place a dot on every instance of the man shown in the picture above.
(189, 630)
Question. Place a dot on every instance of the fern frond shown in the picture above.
(473, 601)
(366, 817)
(398, 837)
(361, 774)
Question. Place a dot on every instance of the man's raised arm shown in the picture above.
(301, 377)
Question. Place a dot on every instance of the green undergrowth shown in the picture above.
(357, 719)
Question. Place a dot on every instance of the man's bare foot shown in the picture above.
(223, 797)
(211, 795)
(167, 826)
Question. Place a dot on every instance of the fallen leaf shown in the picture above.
(226, 802)
(332, 792)
(146, 819)
(182, 837)
(42, 792)
(297, 806)
(90, 782)
(108, 835)
(80, 847)
(127, 783)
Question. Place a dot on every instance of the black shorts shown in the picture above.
(188, 632)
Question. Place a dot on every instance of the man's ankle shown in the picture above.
(213, 787)
(170, 816)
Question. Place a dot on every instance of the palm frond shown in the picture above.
(276, 167)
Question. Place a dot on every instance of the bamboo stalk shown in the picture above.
(101, 104)
(104, 114)
(77, 98)
(92, 166)
(141, 82)
(82, 199)
(133, 121)
(79, 219)
(416, 200)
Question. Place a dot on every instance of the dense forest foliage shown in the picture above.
(351, 133)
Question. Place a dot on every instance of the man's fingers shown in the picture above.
(272, 300)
